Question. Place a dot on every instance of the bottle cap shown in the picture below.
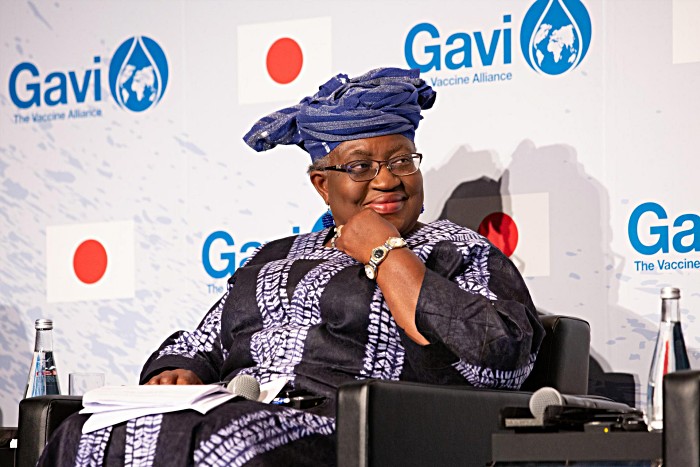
(43, 324)
(670, 292)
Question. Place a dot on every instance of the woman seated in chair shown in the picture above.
(376, 295)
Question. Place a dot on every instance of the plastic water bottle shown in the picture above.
(43, 377)
(669, 355)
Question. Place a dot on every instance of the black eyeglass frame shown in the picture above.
(344, 167)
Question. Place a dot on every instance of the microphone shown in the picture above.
(244, 386)
(545, 397)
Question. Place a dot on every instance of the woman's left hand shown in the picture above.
(362, 233)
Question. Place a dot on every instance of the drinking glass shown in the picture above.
(80, 383)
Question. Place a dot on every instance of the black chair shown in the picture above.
(38, 419)
(394, 423)
(682, 419)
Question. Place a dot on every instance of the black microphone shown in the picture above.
(244, 386)
(545, 397)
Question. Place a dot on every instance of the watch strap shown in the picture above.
(380, 253)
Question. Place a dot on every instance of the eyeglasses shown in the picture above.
(366, 170)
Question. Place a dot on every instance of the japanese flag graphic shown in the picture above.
(283, 61)
(90, 261)
(517, 224)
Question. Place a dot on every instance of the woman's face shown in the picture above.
(398, 199)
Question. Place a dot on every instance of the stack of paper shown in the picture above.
(110, 405)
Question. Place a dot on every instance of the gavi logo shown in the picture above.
(652, 232)
(138, 76)
(221, 255)
(555, 36)
(30, 88)
(426, 49)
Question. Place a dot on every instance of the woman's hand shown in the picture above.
(178, 376)
(363, 232)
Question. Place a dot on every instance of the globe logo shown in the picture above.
(555, 35)
(138, 74)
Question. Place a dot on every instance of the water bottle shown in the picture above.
(669, 355)
(43, 378)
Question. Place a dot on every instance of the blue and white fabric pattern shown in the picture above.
(474, 249)
(202, 339)
(384, 354)
(384, 101)
(278, 347)
(142, 440)
(482, 377)
(92, 447)
(259, 432)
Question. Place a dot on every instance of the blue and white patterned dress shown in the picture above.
(306, 312)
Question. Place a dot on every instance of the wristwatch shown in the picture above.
(379, 254)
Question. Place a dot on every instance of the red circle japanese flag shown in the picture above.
(89, 261)
(283, 61)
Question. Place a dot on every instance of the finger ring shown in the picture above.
(333, 241)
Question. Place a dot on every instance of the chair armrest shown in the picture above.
(682, 419)
(562, 361)
(397, 423)
(38, 419)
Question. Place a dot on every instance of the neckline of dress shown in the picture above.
(416, 235)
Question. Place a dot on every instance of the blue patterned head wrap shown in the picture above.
(384, 101)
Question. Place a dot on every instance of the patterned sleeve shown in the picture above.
(200, 351)
(475, 310)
